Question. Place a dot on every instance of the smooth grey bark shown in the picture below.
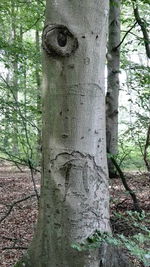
(38, 83)
(112, 256)
(74, 200)
(74, 190)
(113, 66)
(74, 193)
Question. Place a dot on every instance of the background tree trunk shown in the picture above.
(113, 65)
(15, 82)
(38, 83)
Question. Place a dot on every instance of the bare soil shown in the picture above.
(17, 228)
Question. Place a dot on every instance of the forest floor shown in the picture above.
(18, 210)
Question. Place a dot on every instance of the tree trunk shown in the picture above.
(38, 83)
(147, 145)
(74, 194)
(14, 82)
(113, 65)
(74, 199)
(7, 116)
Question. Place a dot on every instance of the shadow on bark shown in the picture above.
(111, 256)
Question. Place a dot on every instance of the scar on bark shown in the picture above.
(57, 40)
(67, 178)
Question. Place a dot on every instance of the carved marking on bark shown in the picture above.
(85, 180)
(76, 154)
(82, 89)
(89, 175)
(68, 170)
(57, 40)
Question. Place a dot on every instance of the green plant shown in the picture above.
(137, 244)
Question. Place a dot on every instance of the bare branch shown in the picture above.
(14, 247)
(16, 101)
(126, 186)
(16, 160)
(141, 23)
(33, 181)
(147, 144)
(12, 239)
(125, 36)
(14, 204)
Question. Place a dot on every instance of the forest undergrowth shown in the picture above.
(18, 210)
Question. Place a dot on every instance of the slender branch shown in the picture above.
(33, 181)
(31, 27)
(126, 186)
(11, 239)
(120, 203)
(138, 37)
(29, 153)
(16, 160)
(147, 144)
(115, 48)
(14, 204)
(14, 247)
(16, 101)
(142, 25)
(123, 157)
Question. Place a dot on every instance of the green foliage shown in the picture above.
(114, 3)
(129, 155)
(137, 245)
(133, 138)
(134, 109)
(19, 79)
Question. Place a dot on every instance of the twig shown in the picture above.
(142, 26)
(147, 144)
(126, 186)
(123, 157)
(29, 153)
(125, 36)
(138, 37)
(16, 247)
(33, 181)
(11, 239)
(21, 162)
(16, 101)
(120, 203)
(14, 204)
(37, 20)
